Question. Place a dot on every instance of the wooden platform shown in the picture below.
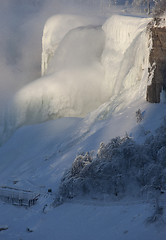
(18, 197)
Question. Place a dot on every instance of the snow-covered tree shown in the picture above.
(118, 166)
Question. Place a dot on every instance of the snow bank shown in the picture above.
(89, 65)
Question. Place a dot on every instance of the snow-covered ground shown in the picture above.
(95, 78)
(82, 221)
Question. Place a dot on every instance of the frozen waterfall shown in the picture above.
(84, 66)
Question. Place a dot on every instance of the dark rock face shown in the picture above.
(157, 61)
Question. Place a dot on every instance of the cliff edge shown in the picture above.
(157, 60)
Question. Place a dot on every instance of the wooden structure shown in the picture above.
(18, 197)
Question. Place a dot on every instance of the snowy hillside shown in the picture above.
(92, 89)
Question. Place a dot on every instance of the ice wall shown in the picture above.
(54, 31)
(89, 65)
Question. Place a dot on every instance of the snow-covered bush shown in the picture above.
(118, 167)
(80, 163)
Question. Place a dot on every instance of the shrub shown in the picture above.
(118, 166)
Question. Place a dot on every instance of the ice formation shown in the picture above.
(55, 30)
(88, 65)
(125, 57)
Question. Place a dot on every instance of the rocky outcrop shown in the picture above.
(2, 228)
(157, 59)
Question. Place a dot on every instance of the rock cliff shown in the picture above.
(157, 60)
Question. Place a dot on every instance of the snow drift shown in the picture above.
(84, 67)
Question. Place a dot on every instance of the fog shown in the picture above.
(21, 26)
(21, 30)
